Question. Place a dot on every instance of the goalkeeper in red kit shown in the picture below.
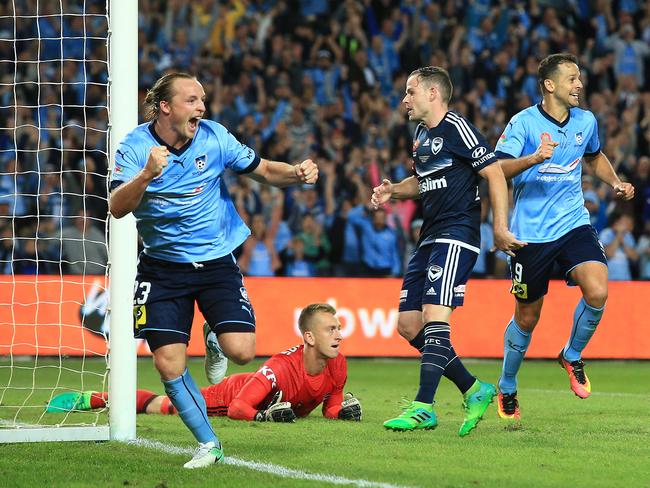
(288, 385)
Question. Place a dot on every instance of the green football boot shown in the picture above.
(417, 415)
(69, 401)
(476, 401)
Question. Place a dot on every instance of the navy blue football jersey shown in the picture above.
(447, 159)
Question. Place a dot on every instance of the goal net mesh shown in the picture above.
(54, 129)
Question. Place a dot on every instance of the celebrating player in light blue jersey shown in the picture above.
(449, 156)
(168, 172)
(542, 150)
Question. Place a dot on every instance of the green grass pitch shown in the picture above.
(561, 441)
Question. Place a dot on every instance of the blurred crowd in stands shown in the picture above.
(318, 79)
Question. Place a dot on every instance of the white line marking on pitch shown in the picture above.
(266, 467)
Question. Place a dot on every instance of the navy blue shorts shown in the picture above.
(437, 274)
(532, 265)
(165, 292)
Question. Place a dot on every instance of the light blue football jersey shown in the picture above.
(548, 199)
(186, 214)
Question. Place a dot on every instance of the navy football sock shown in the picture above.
(435, 356)
(457, 372)
(418, 341)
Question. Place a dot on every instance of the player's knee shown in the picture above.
(596, 296)
(169, 369)
(407, 329)
(241, 357)
(527, 321)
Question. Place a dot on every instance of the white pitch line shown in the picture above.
(266, 467)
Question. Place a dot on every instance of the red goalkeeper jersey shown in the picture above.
(241, 396)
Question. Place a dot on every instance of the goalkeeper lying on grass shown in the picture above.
(288, 385)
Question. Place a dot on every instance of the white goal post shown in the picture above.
(123, 68)
(26, 377)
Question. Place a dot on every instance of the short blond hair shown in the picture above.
(308, 313)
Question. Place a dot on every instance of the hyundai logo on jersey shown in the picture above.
(478, 152)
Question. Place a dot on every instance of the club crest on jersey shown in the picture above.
(434, 272)
(436, 145)
(201, 162)
(244, 293)
(579, 138)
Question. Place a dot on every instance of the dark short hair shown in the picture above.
(549, 65)
(308, 313)
(438, 76)
(161, 91)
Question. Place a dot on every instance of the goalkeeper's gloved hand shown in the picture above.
(277, 411)
(350, 408)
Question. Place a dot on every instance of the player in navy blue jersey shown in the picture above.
(449, 155)
(542, 149)
(168, 172)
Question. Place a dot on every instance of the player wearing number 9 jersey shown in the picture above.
(542, 150)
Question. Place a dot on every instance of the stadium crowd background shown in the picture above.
(309, 79)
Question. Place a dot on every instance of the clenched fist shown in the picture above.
(307, 172)
(157, 161)
(545, 148)
(624, 191)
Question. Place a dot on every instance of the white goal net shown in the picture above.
(54, 158)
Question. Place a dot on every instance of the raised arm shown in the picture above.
(126, 197)
(281, 174)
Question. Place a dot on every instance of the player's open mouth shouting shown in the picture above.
(193, 123)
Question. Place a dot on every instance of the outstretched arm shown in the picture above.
(281, 174)
(404, 190)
